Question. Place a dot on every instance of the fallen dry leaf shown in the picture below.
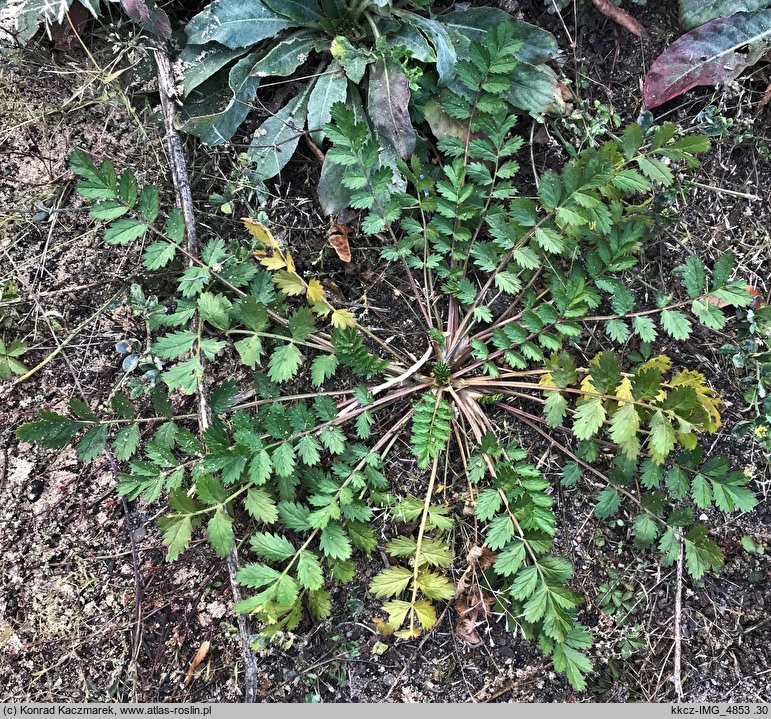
(755, 292)
(200, 655)
(620, 16)
(471, 607)
(338, 238)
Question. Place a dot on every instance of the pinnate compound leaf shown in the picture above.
(273, 547)
(49, 429)
(555, 408)
(676, 324)
(309, 571)
(284, 362)
(256, 576)
(713, 53)
(92, 444)
(125, 442)
(488, 504)
(123, 231)
(574, 663)
(334, 542)
(608, 502)
(261, 505)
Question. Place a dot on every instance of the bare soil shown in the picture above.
(81, 619)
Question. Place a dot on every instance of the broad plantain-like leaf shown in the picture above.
(286, 56)
(387, 102)
(475, 22)
(410, 37)
(203, 61)
(334, 196)
(697, 12)
(330, 88)
(442, 40)
(150, 17)
(536, 89)
(276, 139)
(301, 11)
(236, 24)
(713, 53)
(213, 112)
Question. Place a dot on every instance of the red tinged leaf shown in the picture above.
(387, 101)
(714, 53)
(64, 37)
(150, 17)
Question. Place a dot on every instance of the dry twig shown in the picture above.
(185, 202)
(677, 671)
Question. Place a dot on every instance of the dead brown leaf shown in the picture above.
(338, 239)
(472, 607)
(620, 16)
(200, 655)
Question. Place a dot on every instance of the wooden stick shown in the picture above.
(185, 202)
(678, 661)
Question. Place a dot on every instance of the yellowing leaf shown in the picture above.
(661, 440)
(707, 397)
(274, 262)
(587, 386)
(435, 586)
(343, 319)
(385, 628)
(547, 380)
(261, 233)
(315, 291)
(409, 633)
(624, 390)
(289, 262)
(397, 612)
(426, 614)
(390, 582)
(688, 439)
(289, 283)
(662, 363)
